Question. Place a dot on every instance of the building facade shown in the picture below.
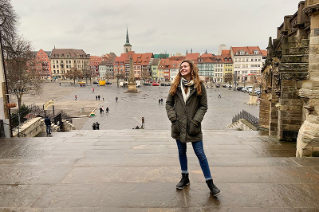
(94, 65)
(248, 62)
(63, 60)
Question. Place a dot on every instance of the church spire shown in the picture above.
(127, 39)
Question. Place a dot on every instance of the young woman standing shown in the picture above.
(186, 106)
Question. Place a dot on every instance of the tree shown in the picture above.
(8, 21)
(22, 75)
(228, 78)
(145, 74)
(118, 77)
(73, 74)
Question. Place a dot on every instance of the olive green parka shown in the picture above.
(186, 118)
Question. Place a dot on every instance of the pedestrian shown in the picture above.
(101, 110)
(93, 90)
(186, 106)
(142, 127)
(76, 97)
(116, 99)
(97, 125)
(103, 99)
(107, 109)
(161, 100)
(220, 96)
(96, 98)
(93, 126)
(47, 122)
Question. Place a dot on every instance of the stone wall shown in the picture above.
(285, 69)
(34, 126)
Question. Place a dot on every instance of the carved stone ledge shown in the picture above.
(311, 9)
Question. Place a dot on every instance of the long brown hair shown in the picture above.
(194, 76)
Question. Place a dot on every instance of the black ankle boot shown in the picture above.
(213, 189)
(184, 182)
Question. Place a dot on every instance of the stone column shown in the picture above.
(131, 81)
(308, 136)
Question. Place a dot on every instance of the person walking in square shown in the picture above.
(186, 106)
(47, 122)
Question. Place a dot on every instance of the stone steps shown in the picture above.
(137, 170)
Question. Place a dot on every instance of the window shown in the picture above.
(53, 66)
(57, 61)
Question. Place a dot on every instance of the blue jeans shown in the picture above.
(48, 129)
(199, 151)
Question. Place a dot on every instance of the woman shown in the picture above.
(186, 106)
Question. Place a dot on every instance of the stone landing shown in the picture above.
(137, 170)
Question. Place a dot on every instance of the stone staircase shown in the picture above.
(137, 170)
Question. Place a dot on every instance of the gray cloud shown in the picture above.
(99, 27)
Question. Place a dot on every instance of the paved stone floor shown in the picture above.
(137, 170)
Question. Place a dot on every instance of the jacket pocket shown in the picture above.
(194, 129)
(175, 128)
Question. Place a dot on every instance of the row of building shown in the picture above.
(240, 63)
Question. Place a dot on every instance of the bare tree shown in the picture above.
(74, 73)
(8, 21)
(22, 74)
(228, 78)
(145, 74)
(118, 77)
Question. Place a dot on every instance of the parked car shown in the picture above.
(168, 84)
(217, 85)
(147, 84)
(95, 82)
(108, 83)
(155, 84)
(257, 91)
(162, 84)
(239, 88)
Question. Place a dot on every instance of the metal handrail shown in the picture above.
(248, 117)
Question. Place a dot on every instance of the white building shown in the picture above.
(248, 61)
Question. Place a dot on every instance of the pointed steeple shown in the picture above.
(186, 51)
(127, 39)
(191, 50)
(54, 46)
(206, 51)
(127, 45)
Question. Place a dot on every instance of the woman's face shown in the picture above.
(185, 70)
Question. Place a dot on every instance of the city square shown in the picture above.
(150, 106)
(128, 111)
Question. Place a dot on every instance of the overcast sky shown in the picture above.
(158, 26)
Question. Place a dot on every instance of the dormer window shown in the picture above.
(256, 51)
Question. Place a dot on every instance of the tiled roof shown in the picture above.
(177, 58)
(249, 49)
(192, 56)
(71, 52)
(225, 52)
(155, 61)
(103, 63)
(264, 52)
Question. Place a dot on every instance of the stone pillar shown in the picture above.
(308, 136)
(131, 81)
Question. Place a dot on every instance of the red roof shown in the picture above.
(192, 56)
(249, 49)
(264, 52)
